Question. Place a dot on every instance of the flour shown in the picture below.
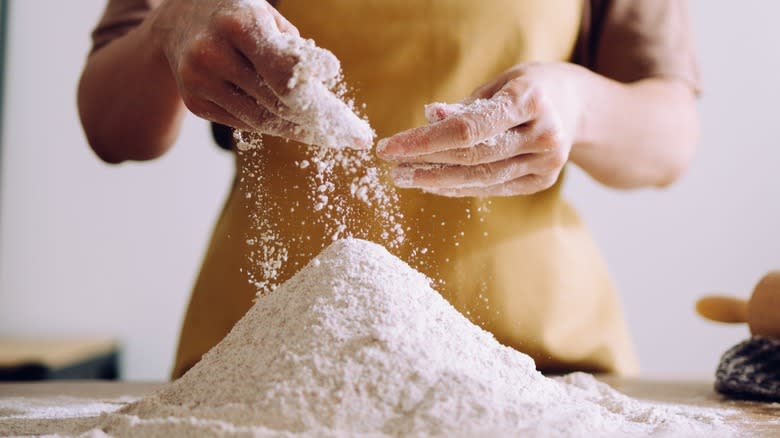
(316, 102)
(358, 344)
(437, 111)
(327, 205)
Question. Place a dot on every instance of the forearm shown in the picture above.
(635, 135)
(128, 100)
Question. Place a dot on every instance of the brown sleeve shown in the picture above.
(629, 40)
(119, 17)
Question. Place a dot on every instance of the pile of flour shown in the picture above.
(358, 344)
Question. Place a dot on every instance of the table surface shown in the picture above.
(753, 418)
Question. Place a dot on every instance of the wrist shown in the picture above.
(582, 88)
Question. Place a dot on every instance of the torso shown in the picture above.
(522, 267)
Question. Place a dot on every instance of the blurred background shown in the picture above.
(87, 249)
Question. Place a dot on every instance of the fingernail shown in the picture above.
(403, 176)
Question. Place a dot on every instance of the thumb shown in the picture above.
(487, 90)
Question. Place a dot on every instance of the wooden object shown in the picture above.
(761, 312)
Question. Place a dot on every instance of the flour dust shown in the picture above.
(326, 118)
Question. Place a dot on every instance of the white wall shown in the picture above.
(87, 248)
(718, 229)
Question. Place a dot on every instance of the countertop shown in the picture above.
(752, 418)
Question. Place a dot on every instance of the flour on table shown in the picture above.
(358, 344)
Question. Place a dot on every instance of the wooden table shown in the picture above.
(25, 358)
(754, 419)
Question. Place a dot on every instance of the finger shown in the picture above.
(274, 65)
(251, 33)
(525, 185)
(527, 139)
(321, 111)
(276, 55)
(240, 71)
(237, 87)
(325, 111)
(320, 125)
(514, 142)
(215, 113)
(438, 111)
(479, 121)
(487, 90)
(282, 23)
(244, 108)
(456, 177)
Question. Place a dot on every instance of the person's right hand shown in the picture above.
(233, 64)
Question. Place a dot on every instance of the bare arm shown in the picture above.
(128, 100)
(639, 134)
(224, 60)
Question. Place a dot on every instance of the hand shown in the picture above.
(240, 63)
(512, 137)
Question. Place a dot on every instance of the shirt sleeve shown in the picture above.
(629, 40)
(120, 17)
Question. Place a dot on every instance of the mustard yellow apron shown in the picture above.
(524, 268)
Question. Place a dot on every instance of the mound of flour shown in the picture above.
(358, 344)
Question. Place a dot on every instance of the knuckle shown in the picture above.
(534, 100)
(202, 55)
(505, 151)
(556, 159)
(466, 130)
(226, 22)
(481, 174)
(526, 96)
(511, 143)
(517, 167)
(516, 89)
(468, 156)
(550, 139)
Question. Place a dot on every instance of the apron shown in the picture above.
(524, 268)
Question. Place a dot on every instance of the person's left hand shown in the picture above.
(512, 137)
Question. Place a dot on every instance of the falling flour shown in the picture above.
(358, 344)
(317, 103)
